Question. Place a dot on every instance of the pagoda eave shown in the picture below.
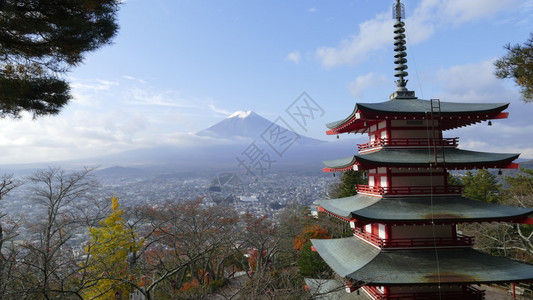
(420, 107)
(331, 170)
(437, 221)
(417, 267)
(365, 165)
(348, 219)
(446, 123)
(452, 115)
(418, 210)
(456, 159)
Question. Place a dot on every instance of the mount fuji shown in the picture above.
(248, 125)
(219, 147)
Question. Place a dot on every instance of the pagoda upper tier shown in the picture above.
(364, 209)
(378, 267)
(450, 114)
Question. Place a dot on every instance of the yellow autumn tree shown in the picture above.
(111, 256)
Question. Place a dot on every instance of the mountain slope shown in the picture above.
(248, 124)
(241, 123)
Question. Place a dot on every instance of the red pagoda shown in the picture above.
(405, 242)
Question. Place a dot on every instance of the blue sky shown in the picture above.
(179, 66)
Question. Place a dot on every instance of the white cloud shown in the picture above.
(460, 11)
(135, 79)
(312, 9)
(169, 98)
(501, 137)
(457, 12)
(473, 83)
(526, 153)
(476, 83)
(473, 144)
(417, 29)
(82, 90)
(86, 134)
(212, 107)
(95, 84)
(373, 35)
(368, 81)
(527, 5)
(135, 116)
(294, 56)
(377, 33)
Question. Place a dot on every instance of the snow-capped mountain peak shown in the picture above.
(240, 114)
(241, 123)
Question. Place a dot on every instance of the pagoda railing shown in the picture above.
(459, 241)
(410, 190)
(470, 293)
(409, 142)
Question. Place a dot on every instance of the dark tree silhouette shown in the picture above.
(518, 65)
(42, 39)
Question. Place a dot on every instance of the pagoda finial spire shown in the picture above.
(399, 46)
(398, 13)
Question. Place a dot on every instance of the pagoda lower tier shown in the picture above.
(364, 209)
(412, 241)
(372, 266)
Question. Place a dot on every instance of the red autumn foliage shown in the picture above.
(188, 285)
(310, 232)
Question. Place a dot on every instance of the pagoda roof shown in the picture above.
(360, 261)
(455, 159)
(421, 209)
(453, 114)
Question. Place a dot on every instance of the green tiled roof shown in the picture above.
(421, 209)
(341, 162)
(345, 255)
(424, 106)
(423, 157)
(413, 267)
(345, 206)
(421, 107)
